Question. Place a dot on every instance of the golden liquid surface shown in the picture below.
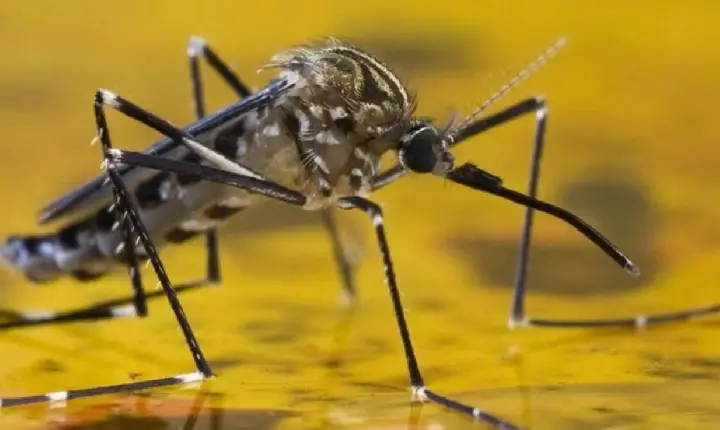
(632, 146)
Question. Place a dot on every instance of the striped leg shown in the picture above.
(197, 48)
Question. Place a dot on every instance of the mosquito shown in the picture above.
(313, 137)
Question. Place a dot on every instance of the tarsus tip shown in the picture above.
(196, 46)
(632, 269)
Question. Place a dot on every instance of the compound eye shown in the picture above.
(418, 153)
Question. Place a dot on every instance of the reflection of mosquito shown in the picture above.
(313, 138)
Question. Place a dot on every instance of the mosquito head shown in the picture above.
(423, 150)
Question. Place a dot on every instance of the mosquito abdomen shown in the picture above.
(70, 250)
(92, 247)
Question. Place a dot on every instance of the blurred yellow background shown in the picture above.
(631, 147)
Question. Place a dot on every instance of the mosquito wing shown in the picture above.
(97, 193)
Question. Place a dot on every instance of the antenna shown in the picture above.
(524, 74)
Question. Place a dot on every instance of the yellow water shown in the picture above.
(632, 147)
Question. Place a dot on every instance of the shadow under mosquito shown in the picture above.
(621, 210)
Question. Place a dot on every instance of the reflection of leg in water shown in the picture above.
(334, 365)
(195, 411)
(517, 357)
(413, 422)
(219, 417)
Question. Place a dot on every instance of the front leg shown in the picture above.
(417, 383)
(518, 110)
(127, 210)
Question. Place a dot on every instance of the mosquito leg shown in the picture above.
(517, 311)
(539, 107)
(197, 49)
(104, 310)
(7, 402)
(341, 257)
(417, 383)
(128, 247)
(127, 205)
(470, 175)
(518, 110)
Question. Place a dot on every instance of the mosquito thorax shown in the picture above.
(347, 109)
(423, 150)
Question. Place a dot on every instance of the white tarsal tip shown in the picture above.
(541, 113)
(37, 315)
(419, 392)
(109, 98)
(191, 377)
(641, 321)
(57, 396)
(196, 45)
(123, 311)
(476, 413)
(514, 323)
